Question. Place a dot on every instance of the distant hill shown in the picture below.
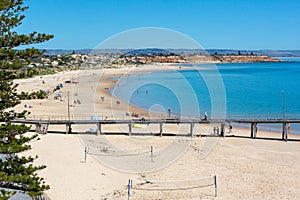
(281, 53)
(148, 51)
(271, 53)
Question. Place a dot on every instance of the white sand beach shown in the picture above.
(245, 168)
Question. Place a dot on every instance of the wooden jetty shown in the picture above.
(253, 124)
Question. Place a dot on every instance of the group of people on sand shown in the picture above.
(135, 115)
(26, 106)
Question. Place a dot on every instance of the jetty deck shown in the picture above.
(130, 122)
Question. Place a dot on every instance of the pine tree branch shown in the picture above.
(17, 173)
(13, 39)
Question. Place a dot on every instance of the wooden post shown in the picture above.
(47, 127)
(128, 189)
(254, 130)
(251, 135)
(68, 129)
(38, 127)
(130, 129)
(284, 132)
(192, 129)
(216, 187)
(99, 132)
(223, 129)
(283, 136)
(160, 129)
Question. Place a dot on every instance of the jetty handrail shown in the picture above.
(102, 116)
(130, 122)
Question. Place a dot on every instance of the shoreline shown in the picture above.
(241, 164)
(109, 79)
(270, 127)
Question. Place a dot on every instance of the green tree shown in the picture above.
(16, 172)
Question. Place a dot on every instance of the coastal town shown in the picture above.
(116, 60)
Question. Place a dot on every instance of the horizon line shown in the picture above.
(171, 48)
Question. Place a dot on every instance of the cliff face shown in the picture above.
(246, 58)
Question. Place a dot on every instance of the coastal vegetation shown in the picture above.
(17, 173)
(56, 63)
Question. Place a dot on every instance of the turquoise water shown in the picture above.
(296, 59)
(259, 90)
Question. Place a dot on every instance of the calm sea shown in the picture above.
(247, 90)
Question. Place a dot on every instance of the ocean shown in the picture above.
(231, 90)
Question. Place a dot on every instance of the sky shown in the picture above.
(214, 24)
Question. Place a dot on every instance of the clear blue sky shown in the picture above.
(231, 24)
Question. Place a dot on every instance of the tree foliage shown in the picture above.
(11, 17)
(16, 172)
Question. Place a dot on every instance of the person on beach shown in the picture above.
(205, 116)
(288, 127)
(230, 129)
(169, 112)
